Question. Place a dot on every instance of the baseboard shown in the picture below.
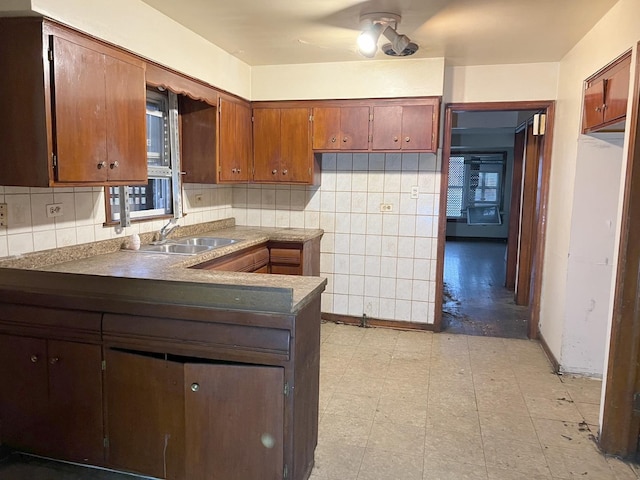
(375, 322)
(554, 361)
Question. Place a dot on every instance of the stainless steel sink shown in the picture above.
(213, 242)
(175, 248)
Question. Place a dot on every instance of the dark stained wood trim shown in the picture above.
(620, 427)
(374, 322)
(552, 358)
(549, 107)
(514, 211)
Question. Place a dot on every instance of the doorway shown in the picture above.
(494, 182)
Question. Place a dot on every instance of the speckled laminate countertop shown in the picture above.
(90, 266)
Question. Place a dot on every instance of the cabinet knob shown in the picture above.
(274, 171)
(333, 139)
(239, 170)
(407, 139)
(102, 165)
(597, 109)
(115, 164)
(395, 139)
(233, 170)
(344, 140)
(54, 360)
(284, 172)
(195, 387)
(34, 359)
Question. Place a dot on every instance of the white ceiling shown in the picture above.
(465, 32)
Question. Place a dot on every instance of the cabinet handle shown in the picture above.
(102, 165)
(605, 106)
(284, 172)
(34, 359)
(54, 360)
(333, 139)
(597, 109)
(115, 164)
(195, 387)
(407, 139)
(274, 171)
(395, 139)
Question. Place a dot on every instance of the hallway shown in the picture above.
(475, 299)
(414, 405)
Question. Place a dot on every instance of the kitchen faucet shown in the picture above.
(166, 230)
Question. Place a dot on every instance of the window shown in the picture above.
(160, 197)
(475, 180)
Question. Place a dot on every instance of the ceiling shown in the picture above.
(465, 32)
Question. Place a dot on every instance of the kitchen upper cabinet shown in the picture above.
(198, 120)
(235, 141)
(404, 127)
(51, 402)
(282, 145)
(341, 128)
(605, 97)
(75, 115)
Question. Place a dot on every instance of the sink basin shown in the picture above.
(176, 248)
(212, 242)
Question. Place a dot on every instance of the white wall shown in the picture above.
(397, 77)
(379, 264)
(617, 32)
(139, 28)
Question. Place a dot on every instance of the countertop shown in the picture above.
(102, 268)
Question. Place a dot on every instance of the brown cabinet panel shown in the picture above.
(296, 155)
(198, 140)
(605, 97)
(266, 144)
(341, 128)
(235, 141)
(234, 422)
(23, 403)
(145, 414)
(417, 127)
(326, 128)
(387, 128)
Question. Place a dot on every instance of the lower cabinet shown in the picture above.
(187, 418)
(51, 402)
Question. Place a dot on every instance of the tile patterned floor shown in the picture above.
(424, 406)
(421, 406)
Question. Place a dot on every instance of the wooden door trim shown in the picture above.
(620, 427)
(514, 209)
(548, 106)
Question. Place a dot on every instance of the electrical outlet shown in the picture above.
(55, 210)
(386, 207)
(3, 214)
(415, 191)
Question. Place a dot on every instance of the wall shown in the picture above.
(30, 230)
(616, 32)
(400, 77)
(382, 265)
(135, 26)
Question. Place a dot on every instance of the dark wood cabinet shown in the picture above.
(295, 258)
(77, 109)
(235, 141)
(605, 97)
(250, 260)
(341, 128)
(404, 127)
(282, 145)
(52, 399)
(198, 121)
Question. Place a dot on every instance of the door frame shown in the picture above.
(546, 106)
(620, 425)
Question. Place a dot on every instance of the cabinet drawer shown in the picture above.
(249, 260)
(286, 256)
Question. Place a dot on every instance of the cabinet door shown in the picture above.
(79, 109)
(593, 105)
(616, 93)
(145, 414)
(417, 127)
(75, 401)
(297, 156)
(387, 128)
(354, 128)
(23, 397)
(326, 128)
(126, 122)
(234, 422)
(235, 141)
(266, 144)
(198, 140)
